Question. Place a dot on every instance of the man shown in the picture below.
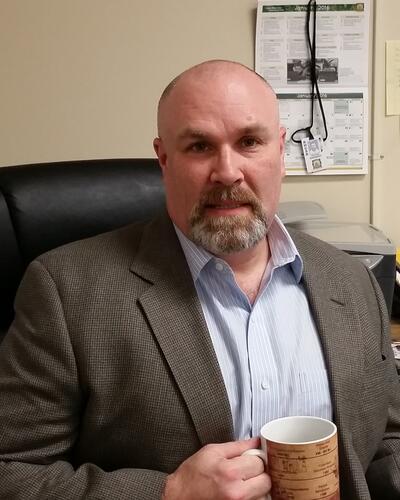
(142, 363)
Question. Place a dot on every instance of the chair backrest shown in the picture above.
(43, 206)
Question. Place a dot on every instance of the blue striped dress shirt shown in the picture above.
(269, 352)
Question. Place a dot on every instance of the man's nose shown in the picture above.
(227, 168)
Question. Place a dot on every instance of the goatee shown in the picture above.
(231, 233)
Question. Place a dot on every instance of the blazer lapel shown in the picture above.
(176, 319)
(335, 314)
(333, 309)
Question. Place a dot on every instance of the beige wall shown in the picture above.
(385, 189)
(81, 78)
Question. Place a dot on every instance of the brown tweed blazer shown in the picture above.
(109, 380)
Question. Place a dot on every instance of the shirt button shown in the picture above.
(264, 385)
(219, 266)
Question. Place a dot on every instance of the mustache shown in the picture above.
(227, 193)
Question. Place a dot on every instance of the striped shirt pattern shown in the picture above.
(269, 352)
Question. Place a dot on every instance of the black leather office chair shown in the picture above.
(46, 205)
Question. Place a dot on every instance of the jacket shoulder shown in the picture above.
(324, 254)
(119, 245)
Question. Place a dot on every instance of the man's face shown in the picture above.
(221, 153)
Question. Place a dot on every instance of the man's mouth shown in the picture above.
(226, 205)
(227, 208)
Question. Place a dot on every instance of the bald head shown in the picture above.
(208, 67)
(205, 74)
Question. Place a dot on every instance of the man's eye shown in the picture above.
(249, 142)
(198, 147)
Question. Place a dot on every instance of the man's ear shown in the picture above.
(282, 138)
(160, 152)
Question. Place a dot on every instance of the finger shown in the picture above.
(236, 448)
(257, 487)
(247, 466)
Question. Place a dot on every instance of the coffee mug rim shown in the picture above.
(293, 417)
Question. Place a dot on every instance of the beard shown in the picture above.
(231, 233)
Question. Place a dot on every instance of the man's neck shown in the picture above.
(249, 266)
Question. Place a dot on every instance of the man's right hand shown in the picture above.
(220, 472)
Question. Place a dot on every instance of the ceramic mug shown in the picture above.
(301, 454)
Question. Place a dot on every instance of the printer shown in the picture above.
(363, 241)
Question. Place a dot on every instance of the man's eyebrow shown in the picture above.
(254, 129)
(191, 133)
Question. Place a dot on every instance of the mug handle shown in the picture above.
(257, 453)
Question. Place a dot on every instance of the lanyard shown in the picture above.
(312, 42)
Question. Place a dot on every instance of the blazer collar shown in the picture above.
(176, 319)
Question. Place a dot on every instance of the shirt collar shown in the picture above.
(283, 251)
(197, 257)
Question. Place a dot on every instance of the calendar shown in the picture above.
(345, 149)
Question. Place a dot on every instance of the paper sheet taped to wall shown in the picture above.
(393, 77)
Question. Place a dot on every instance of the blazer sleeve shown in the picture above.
(383, 474)
(41, 401)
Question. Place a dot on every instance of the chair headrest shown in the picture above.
(46, 205)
